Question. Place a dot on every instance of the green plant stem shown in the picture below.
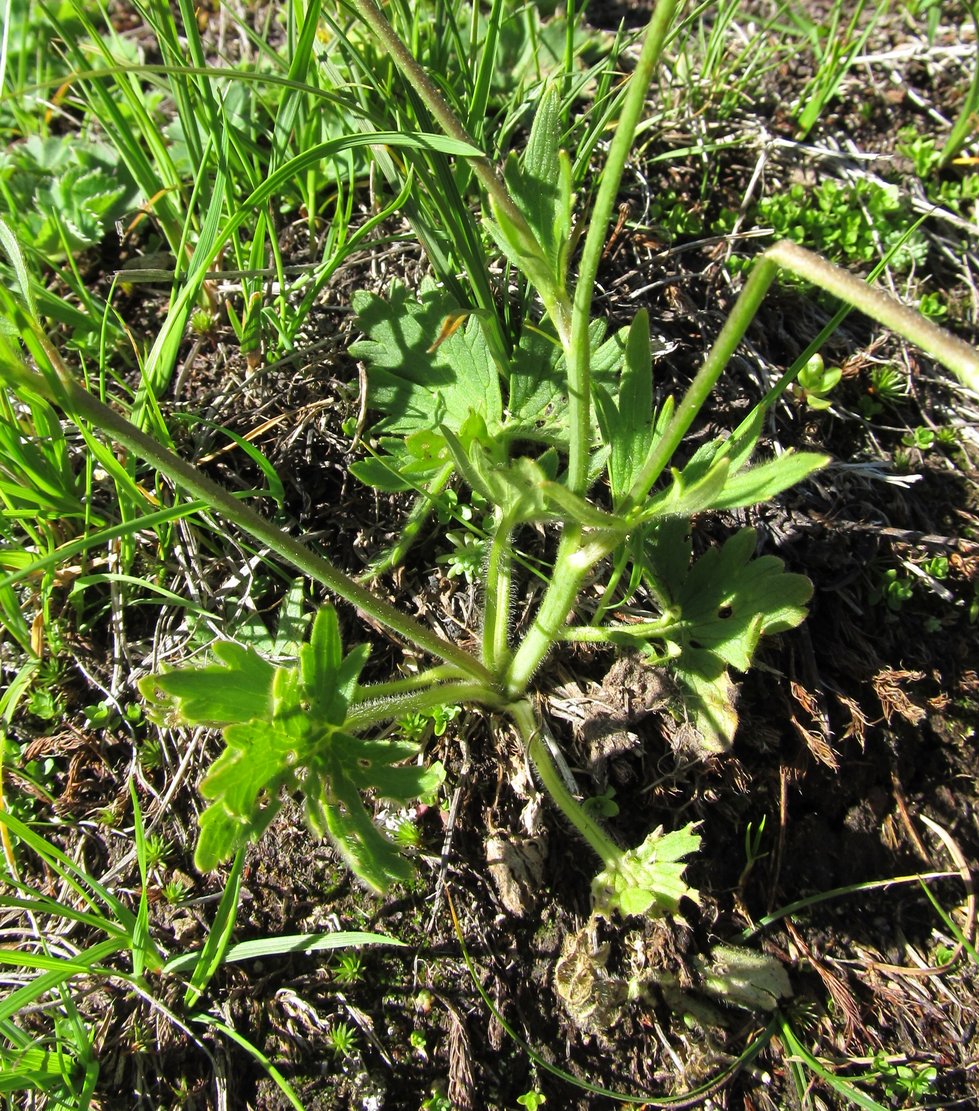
(952, 352)
(579, 352)
(641, 630)
(394, 687)
(570, 569)
(531, 731)
(74, 400)
(730, 336)
(949, 350)
(369, 713)
(496, 608)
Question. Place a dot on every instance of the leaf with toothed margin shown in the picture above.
(648, 879)
(284, 731)
(725, 602)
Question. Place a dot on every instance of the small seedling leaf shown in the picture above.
(647, 879)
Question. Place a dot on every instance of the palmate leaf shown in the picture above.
(419, 377)
(284, 732)
(647, 879)
(236, 689)
(725, 603)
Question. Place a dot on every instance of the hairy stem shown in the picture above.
(949, 350)
(622, 633)
(532, 732)
(952, 352)
(71, 397)
(370, 712)
(496, 607)
(579, 352)
(570, 568)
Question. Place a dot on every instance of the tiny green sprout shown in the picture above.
(947, 436)
(467, 558)
(45, 703)
(100, 715)
(413, 727)
(603, 805)
(933, 306)
(151, 754)
(892, 590)
(406, 834)
(936, 567)
(944, 954)
(342, 1038)
(921, 438)
(903, 1082)
(108, 816)
(888, 384)
(673, 218)
(532, 1100)
(816, 380)
(441, 717)
(920, 149)
(202, 321)
(437, 1101)
(158, 849)
(174, 891)
(902, 461)
(140, 1037)
(418, 1043)
(753, 839)
(349, 968)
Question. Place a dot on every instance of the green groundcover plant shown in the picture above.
(555, 429)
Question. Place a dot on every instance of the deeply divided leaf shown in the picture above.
(237, 688)
(284, 731)
(725, 602)
(648, 879)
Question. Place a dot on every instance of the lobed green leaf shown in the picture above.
(649, 878)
